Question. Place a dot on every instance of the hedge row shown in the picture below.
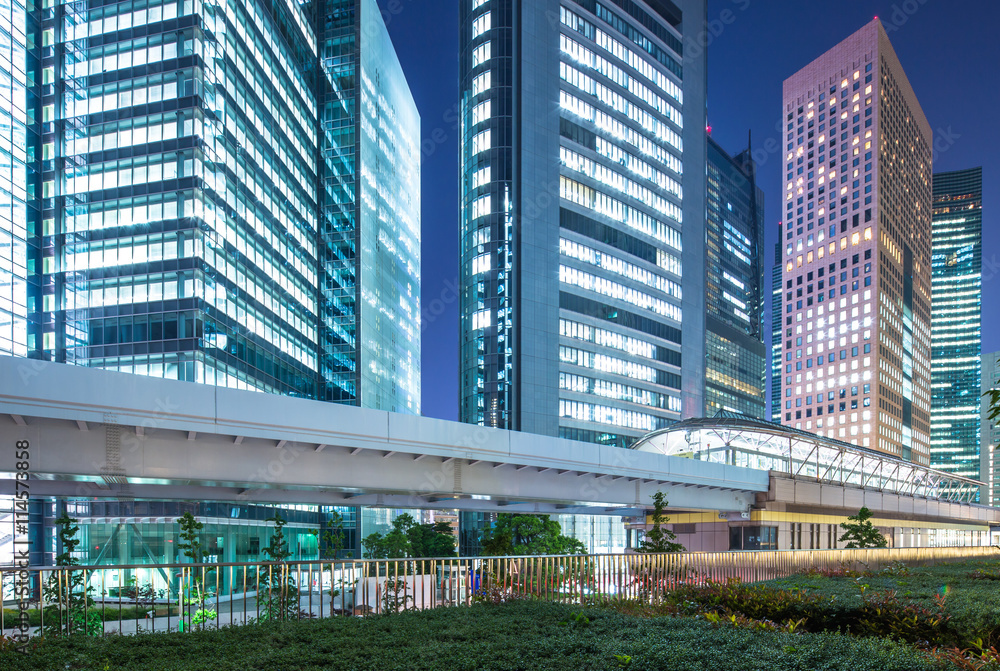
(520, 635)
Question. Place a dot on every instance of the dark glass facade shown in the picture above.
(736, 357)
(574, 198)
(212, 175)
(776, 329)
(956, 312)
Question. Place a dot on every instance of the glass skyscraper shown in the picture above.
(582, 216)
(856, 242)
(956, 312)
(196, 186)
(736, 357)
(776, 332)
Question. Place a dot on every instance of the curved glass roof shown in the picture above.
(748, 442)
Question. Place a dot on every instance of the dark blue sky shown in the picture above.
(948, 48)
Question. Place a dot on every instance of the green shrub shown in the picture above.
(511, 636)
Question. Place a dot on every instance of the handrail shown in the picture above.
(213, 595)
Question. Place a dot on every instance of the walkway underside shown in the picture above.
(94, 433)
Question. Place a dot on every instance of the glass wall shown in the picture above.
(19, 153)
(388, 184)
(198, 196)
(956, 313)
(181, 207)
(571, 217)
(734, 305)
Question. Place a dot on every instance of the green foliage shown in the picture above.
(496, 592)
(193, 590)
(395, 596)
(277, 591)
(512, 636)
(406, 538)
(994, 403)
(395, 543)
(332, 539)
(969, 607)
(190, 538)
(985, 574)
(71, 605)
(517, 534)
(658, 539)
(277, 549)
(861, 533)
(108, 612)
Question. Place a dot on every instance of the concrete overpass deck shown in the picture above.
(95, 433)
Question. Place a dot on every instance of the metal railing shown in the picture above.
(92, 599)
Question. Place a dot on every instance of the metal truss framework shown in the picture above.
(752, 443)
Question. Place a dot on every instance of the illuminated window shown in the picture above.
(482, 319)
(481, 25)
(481, 264)
(481, 177)
(482, 112)
(481, 54)
(481, 83)
(481, 207)
(481, 142)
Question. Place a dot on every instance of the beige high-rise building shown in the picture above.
(856, 242)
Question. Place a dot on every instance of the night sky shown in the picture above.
(948, 48)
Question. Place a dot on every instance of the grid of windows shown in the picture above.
(617, 255)
(855, 275)
(18, 188)
(956, 313)
(735, 356)
(207, 196)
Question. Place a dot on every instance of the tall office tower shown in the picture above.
(582, 216)
(214, 175)
(736, 358)
(369, 213)
(956, 312)
(777, 318)
(990, 435)
(857, 243)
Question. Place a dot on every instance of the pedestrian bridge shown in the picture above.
(95, 433)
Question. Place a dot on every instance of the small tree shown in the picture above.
(331, 542)
(395, 543)
(282, 600)
(522, 534)
(190, 544)
(861, 533)
(332, 539)
(66, 590)
(659, 539)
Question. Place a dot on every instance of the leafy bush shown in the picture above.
(511, 636)
(107, 612)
